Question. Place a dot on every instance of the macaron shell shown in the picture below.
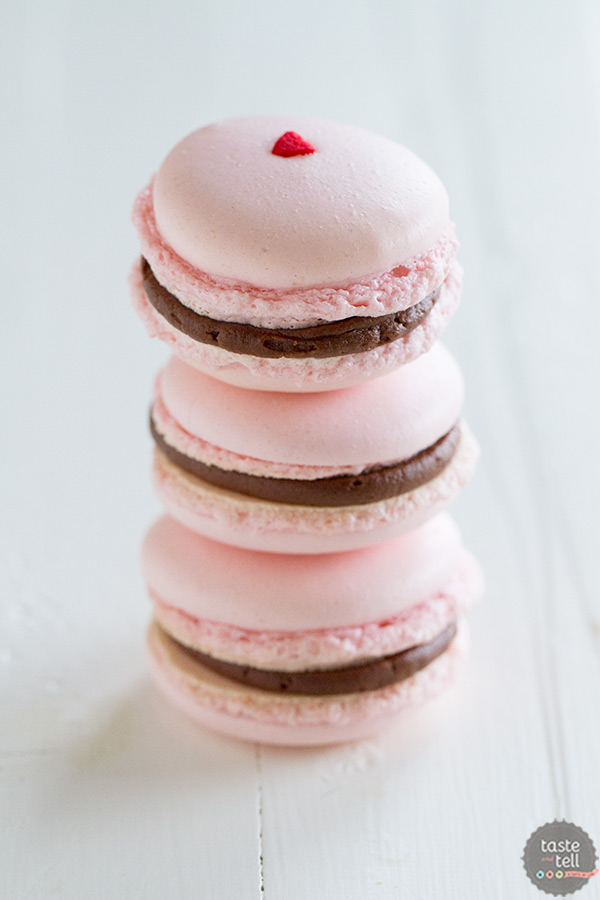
(359, 205)
(301, 375)
(305, 648)
(389, 419)
(255, 524)
(265, 717)
(259, 591)
(234, 302)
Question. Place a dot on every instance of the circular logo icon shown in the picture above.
(559, 858)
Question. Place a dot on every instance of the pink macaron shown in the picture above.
(294, 254)
(307, 649)
(311, 473)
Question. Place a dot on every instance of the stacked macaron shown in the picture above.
(307, 585)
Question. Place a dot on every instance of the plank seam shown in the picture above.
(259, 806)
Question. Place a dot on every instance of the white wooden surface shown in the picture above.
(107, 792)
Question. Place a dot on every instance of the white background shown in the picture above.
(107, 792)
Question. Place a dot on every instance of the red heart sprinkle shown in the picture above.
(291, 144)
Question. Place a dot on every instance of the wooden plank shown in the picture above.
(445, 811)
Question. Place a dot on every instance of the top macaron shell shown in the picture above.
(378, 422)
(216, 582)
(361, 204)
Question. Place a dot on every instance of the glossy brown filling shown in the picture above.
(356, 334)
(370, 486)
(364, 676)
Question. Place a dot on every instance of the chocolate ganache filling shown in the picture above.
(356, 334)
(357, 678)
(374, 484)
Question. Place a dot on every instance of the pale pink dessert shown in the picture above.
(311, 473)
(307, 649)
(313, 270)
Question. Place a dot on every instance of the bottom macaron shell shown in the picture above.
(300, 375)
(265, 717)
(233, 518)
